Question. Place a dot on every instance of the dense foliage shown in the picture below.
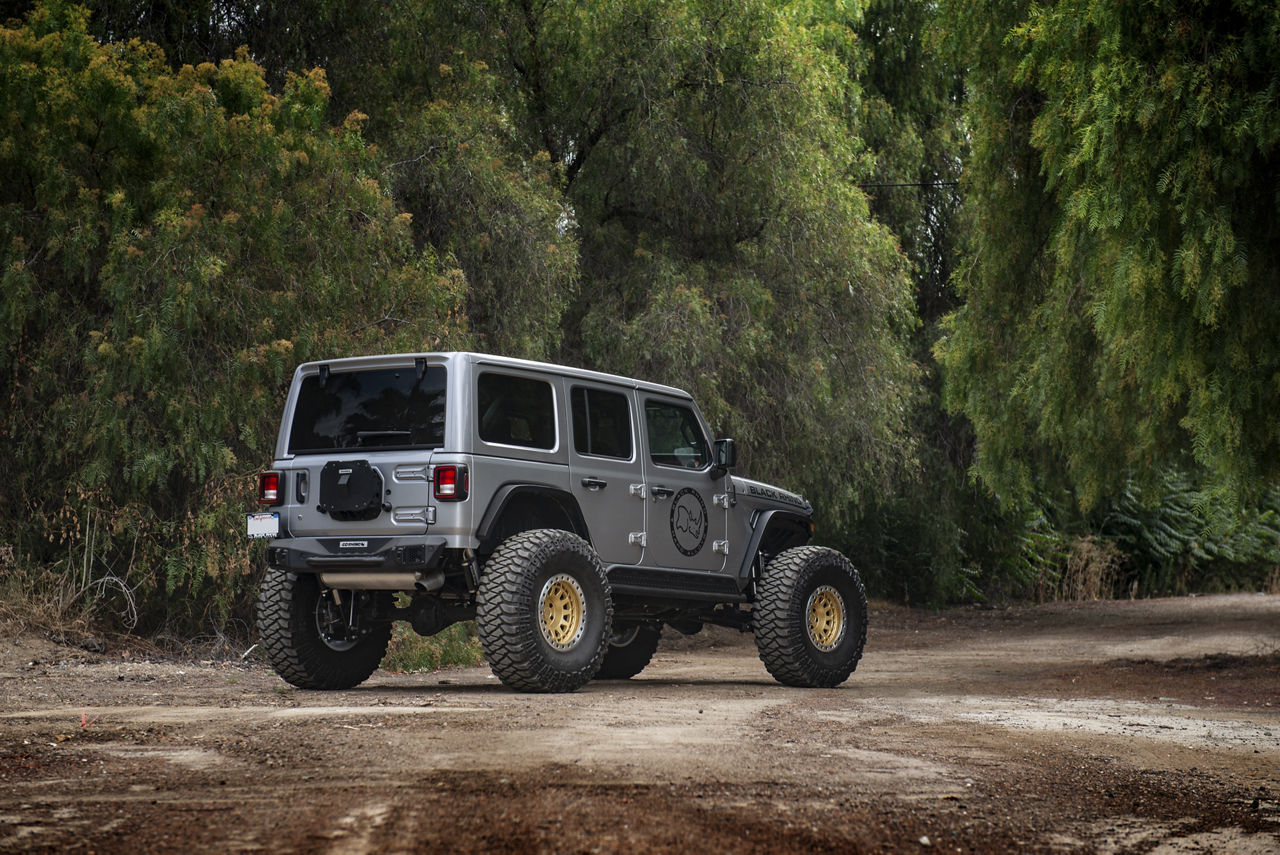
(174, 242)
(1118, 282)
(825, 218)
(725, 246)
(927, 538)
(1122, 305)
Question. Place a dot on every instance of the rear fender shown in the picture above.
(521, 507)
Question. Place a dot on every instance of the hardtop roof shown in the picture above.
(356, 363)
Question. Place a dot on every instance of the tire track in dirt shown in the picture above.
(1145, 726)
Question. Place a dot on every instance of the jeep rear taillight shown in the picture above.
(269, 488)
(450, 483)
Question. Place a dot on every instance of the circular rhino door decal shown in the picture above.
(689, 521)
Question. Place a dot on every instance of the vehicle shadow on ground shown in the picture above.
(596, 687)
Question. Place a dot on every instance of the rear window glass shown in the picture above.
(388, 408)
(516, 411)
(601, 423)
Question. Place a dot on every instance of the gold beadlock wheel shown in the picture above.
(544, 611)
(562, 607)
(810, 617)
(825, 618)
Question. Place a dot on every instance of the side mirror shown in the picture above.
(726, 453)
(724, 458)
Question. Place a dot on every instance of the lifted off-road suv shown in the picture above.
(571, 514)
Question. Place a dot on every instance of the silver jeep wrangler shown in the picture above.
(570, 513)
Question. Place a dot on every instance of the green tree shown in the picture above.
(667, 190)
(1121, 293)
(481, 194)
(934, 534)
(174, 242)
(724, 244)
(452, 157)
(478, 190)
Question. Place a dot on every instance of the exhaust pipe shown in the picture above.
(407, 581)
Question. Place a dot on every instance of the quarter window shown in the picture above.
(516, 411)
(601, 423)
(675, 436)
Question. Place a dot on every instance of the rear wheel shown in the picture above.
(810, 617)
(544, 611)
(630, 650)
(316, 638)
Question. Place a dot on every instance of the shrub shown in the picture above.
(173, 243)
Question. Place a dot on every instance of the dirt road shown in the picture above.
(1149, 726)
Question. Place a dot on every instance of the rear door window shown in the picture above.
(601, 423)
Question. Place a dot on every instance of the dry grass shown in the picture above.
(1091, 572)
(1093, 569)
(66, 599)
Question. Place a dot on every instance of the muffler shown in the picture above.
(403, 581)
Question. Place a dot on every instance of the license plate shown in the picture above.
(264, 525)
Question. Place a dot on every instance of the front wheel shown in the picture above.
(810, 617)
(316, 638)
(544, 611)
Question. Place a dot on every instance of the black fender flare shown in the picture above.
(774, 517)
(488, 532)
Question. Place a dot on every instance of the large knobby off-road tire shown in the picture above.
(629, 651)
(305, 634)
(810, 617)
(544, 611)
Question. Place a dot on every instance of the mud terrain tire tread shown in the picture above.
(288, 634)
(780, 626)
(622, 662)
(507, 616)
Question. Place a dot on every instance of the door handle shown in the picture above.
(663, 492)
(594, 484)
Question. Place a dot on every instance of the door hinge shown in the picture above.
(721, 547)
(638, 538)
(639, 491)
(721, 500)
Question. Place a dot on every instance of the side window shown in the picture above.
(675, 437)
(601, 423)
(516, 411)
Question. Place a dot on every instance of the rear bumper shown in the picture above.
(323, 554)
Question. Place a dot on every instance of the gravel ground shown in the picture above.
(1143, 726)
